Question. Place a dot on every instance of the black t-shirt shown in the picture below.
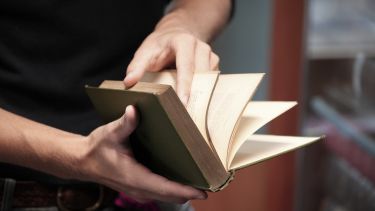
(49, 49)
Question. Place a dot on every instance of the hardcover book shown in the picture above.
(204, 143)
(347, 186)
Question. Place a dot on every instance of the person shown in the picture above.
(49, 49)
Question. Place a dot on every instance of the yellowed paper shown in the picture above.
(255, 115)
(202, 86)
(231, 95)
(261, 147)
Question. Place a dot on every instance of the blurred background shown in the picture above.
(321, 54)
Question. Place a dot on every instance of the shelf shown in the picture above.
(340, 29)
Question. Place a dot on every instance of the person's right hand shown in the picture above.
(109, 161)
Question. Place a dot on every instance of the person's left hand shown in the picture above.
(168, 46)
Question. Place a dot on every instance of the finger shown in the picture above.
(137, 67)
(123, 127)
(145, 58)
(202, 57)
(162, 189)
(214, 61)
(184, 50)
(153, 186)
(178, 193)
(164, 59)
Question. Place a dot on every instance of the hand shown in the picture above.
(168, 45)
(109, 161)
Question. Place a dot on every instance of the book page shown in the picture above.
(231, 95)
(164, 77)
(261, 147)
(200, 96)
(255, 115)
(201, 90)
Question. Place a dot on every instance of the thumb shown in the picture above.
(125, 125)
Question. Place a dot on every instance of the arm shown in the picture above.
(90, 158)
(27, 143)
(181, 37)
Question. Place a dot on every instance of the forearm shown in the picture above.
(30, 144)
(99, 157)
(203, 18)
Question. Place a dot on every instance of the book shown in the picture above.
(346, 186)
(345, 148)
(349, 137)
(204, 143)
(329, 204)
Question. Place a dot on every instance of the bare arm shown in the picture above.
(204, 19)
(181, 38)
(27, 143)
(99, 157)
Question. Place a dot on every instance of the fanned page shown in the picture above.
(261, 147)
(255, 115)
(231, 95)
(200, 94)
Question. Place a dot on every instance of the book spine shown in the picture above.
(229, 180)
(209, 165)
(352, 153)
(329, 204)
(343, 125)
(348, 187)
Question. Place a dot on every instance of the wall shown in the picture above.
(244, 45)
(267, 186)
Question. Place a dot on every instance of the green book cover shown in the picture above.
(157, 141)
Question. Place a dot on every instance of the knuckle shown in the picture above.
(106, 131)
(121, 123)
(153, 60)
(216, 59)
(132, 67)
(140, 51)
(129, 68)
(145, 53)
(186, 38)
(205, 46)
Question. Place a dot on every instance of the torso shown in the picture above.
(49, 49)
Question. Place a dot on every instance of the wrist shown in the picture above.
(178, 20)
(40, 147)
(87, 159)
(203, 19)
(69, 157)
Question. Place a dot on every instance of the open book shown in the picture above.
(203, 144)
